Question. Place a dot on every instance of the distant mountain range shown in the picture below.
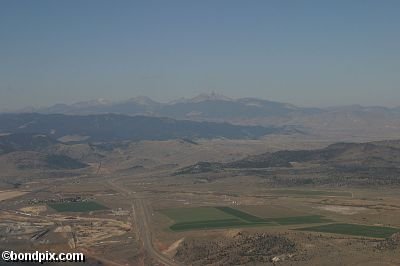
(203, 106)
(115, 127)
(341, 122)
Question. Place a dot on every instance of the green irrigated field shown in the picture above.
(224, 217)
(310, 219)
(209, 224)
(354, 229)
(86, 206)
(210, 217)
(242, 215)
(185, 215)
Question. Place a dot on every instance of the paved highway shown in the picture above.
(142, 217)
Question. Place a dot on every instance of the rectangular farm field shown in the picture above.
(84, 206)
(354, 229)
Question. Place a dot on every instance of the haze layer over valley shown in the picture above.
(295, 161)
(341, 123)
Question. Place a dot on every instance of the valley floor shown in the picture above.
(148, 215)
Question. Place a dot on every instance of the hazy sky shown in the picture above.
(310, 53)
